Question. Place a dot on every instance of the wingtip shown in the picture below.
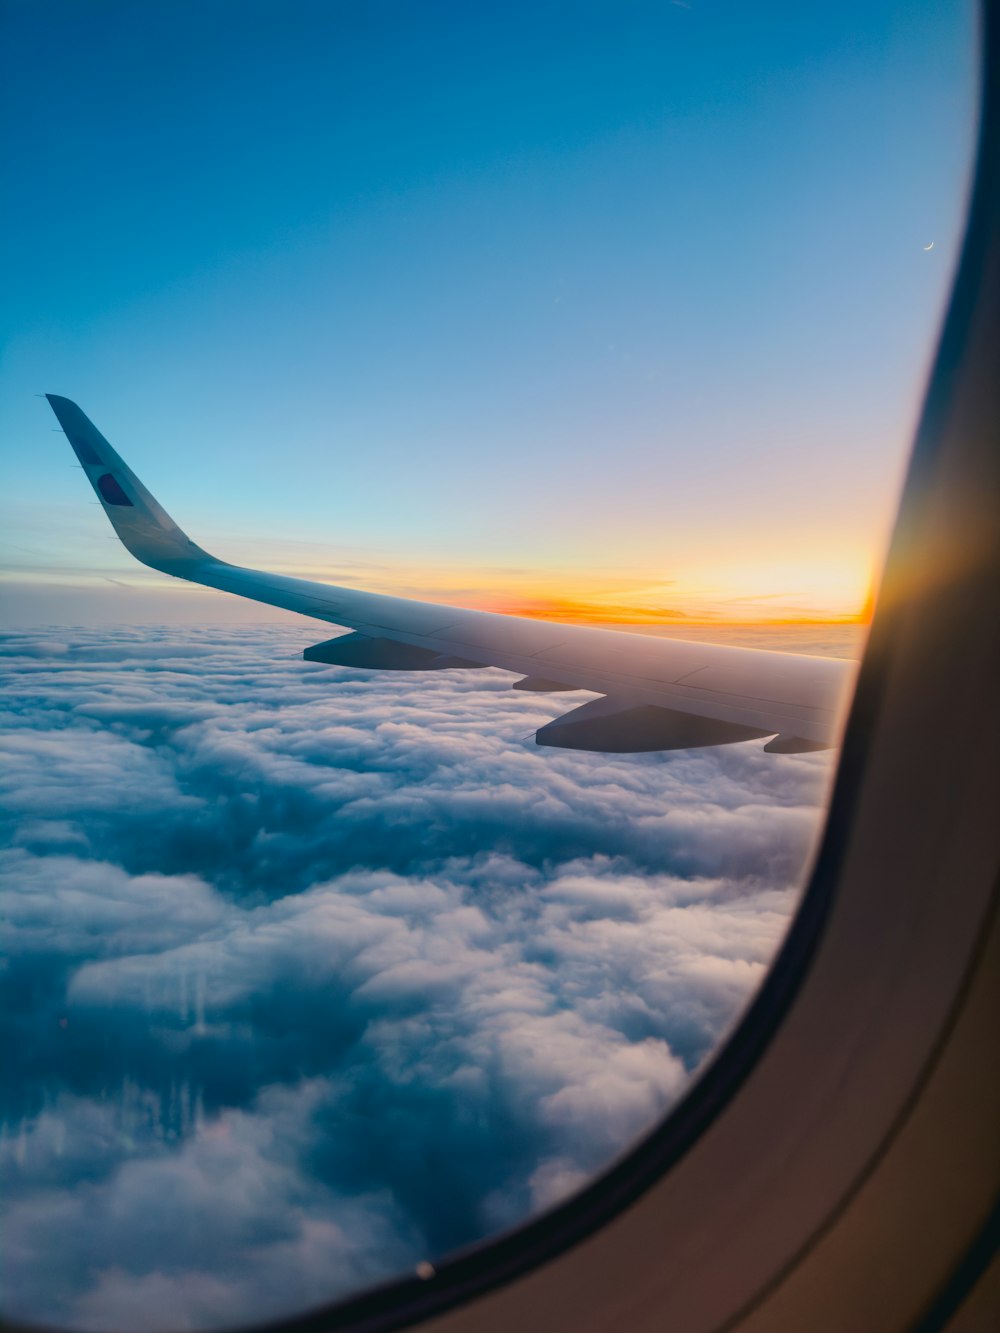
(145, 528)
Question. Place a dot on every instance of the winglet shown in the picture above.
(144, 527)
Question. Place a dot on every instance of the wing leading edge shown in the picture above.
(658, 694)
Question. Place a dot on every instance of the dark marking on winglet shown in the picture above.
(111, 491)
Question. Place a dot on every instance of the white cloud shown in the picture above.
(316, 974)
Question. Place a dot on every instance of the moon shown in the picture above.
(929, 247)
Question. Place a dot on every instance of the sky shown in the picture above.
(606, 312)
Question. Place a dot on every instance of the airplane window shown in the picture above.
(612, 320)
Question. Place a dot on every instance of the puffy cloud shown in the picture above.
(223, 1221)
(314, 974)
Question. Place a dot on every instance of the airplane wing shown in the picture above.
(656, 693)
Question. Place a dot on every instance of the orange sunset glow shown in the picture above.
(776, 593)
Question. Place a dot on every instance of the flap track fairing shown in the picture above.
(795, 745)
(542, 685)
(612, 726)
(362, 650)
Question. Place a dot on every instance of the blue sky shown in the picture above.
(625, 297)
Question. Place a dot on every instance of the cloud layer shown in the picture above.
(314, 974)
